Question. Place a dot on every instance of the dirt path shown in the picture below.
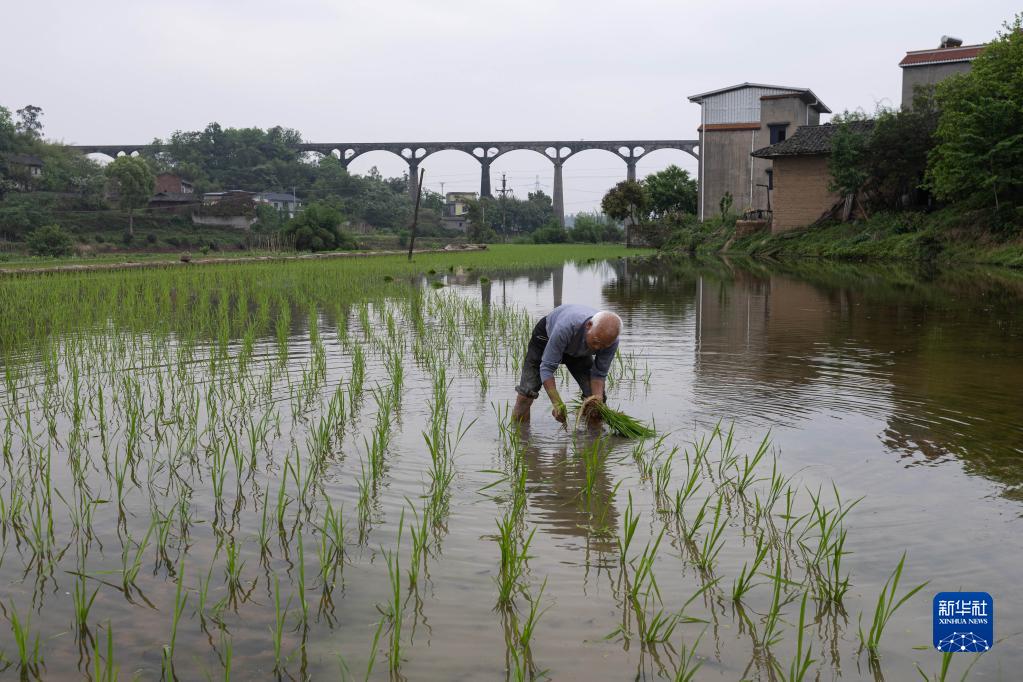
(133, 265)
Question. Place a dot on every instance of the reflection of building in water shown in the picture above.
(557, 478)
(935, 361)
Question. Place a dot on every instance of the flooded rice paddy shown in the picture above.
(307, 470)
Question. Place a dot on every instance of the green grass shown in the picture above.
(949, 236)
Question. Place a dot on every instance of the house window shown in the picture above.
(777, 132)
(770, 179)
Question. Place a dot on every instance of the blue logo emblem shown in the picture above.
(964, 622)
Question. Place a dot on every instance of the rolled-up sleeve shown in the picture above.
(602, 361)
(557, 340)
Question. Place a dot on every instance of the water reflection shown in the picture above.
(559, 500)
(932, 355)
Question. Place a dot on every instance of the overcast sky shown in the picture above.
(402, 70)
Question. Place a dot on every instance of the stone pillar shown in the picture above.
(485, 179)
(630, 173)
(559, 193)
(413, 179)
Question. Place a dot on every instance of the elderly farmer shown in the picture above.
(582, 338)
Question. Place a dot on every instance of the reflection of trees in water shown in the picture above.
(670, 286)
(934, 353)
(557, 477)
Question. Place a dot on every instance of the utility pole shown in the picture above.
(504, 196)
(415, 215)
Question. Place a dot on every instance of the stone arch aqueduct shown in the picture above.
(413, 153)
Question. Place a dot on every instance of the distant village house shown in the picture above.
(456, 210)
(800, 175)
(921, 68)
(737, 120)
(169, 183)
(282, 201)
(23, 169)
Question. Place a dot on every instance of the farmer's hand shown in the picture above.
(560, 412)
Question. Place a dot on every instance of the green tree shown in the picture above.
(66, 170)
(318, 228)
(671, 191)
(550, 234)
(593, 228)
(49, 240)
(29, 123)
(897, 150)
(8, 131)
(628, 200)
(979, 155)
(848, 163)
(134, 183)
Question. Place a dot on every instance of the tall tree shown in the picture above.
(29, 122)
(134, 183)
(628, 200)
(671, 191)
(979, 156)
(8, 132)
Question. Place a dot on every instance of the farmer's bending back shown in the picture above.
(582, 338)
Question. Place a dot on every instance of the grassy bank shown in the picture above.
(393, 261)
(942, 237)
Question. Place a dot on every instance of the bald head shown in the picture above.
(602, 330)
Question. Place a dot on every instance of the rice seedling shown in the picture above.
(887, 604)
(712, 543)
(686, 670)
(594, 455)
(744, 582)
(746, 474)
(103, 668)
(514, 555)
(395, 607)
(180, 597)
(280, 615)
(83, 603)
(629, 526)
(619, 422)
(29, 658)
(800, 665)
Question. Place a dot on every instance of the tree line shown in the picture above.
(960, 145)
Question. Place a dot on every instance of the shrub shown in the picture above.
(318, 228)
(49, 240)
(550, 234)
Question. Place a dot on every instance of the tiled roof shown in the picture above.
(277, 196)
(24, 159)
(810, 140)
(941, 55)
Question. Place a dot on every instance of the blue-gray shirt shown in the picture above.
(566, 335)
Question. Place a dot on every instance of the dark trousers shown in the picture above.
(530, 383)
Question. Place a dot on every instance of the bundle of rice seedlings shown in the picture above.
(619, 422)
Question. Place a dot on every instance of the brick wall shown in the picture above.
(800, 193)
(167, 182)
